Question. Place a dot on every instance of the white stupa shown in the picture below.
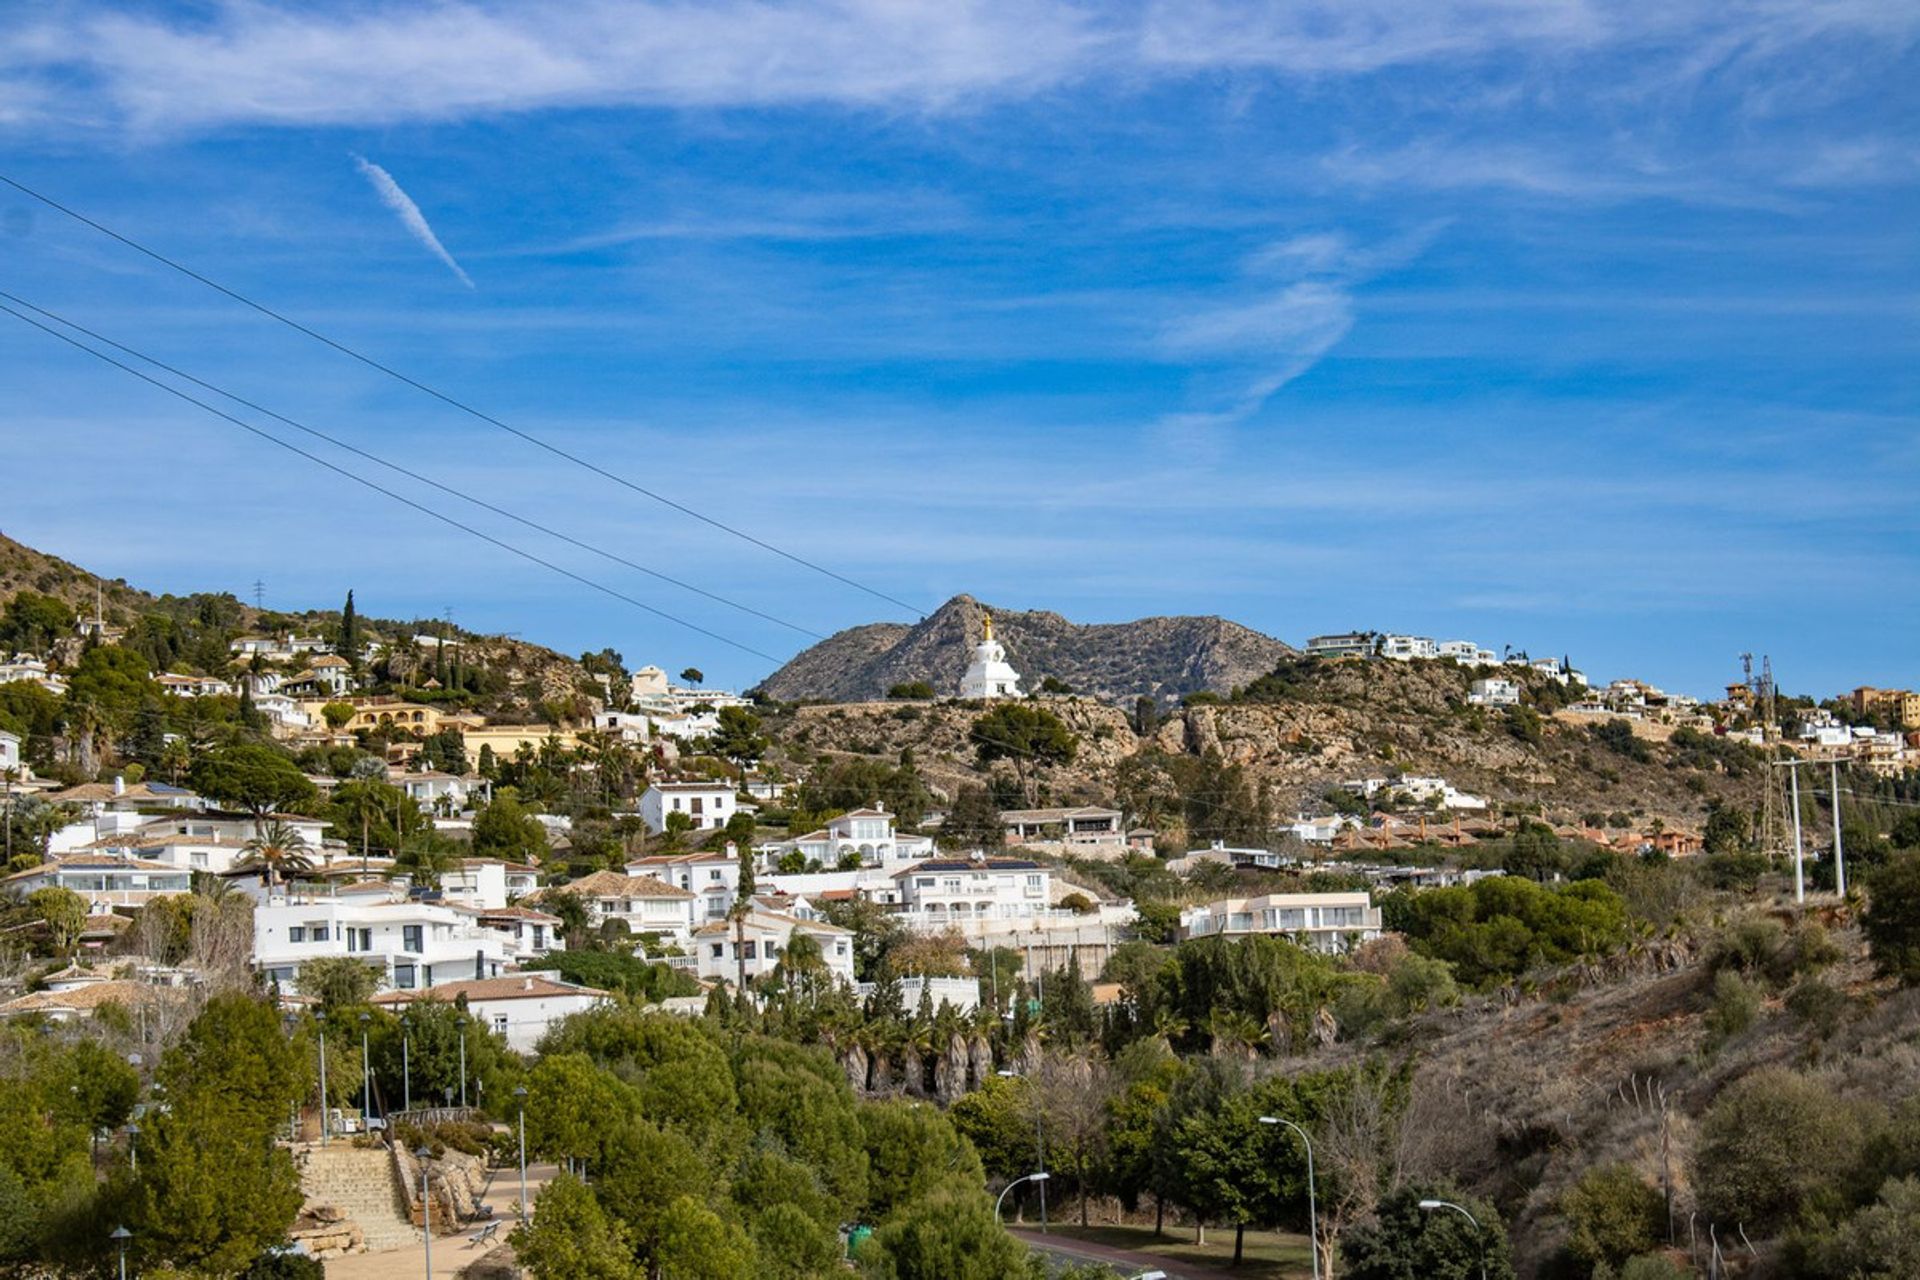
(989, 676)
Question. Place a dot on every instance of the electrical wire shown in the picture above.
(400, 470)
(380, 489)
(451, 401)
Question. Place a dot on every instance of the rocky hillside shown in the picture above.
(1305, 728)
(1163, 658)
(22, 568)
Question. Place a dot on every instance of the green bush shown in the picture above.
(1777, 1146)
(1736, 1004)
(277, 1265)
(1892, 919)
(1612, 1214)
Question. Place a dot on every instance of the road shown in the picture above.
(1127, 1262)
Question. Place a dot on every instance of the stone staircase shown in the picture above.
(359, 1181)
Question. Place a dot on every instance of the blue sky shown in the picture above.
(1584, 327)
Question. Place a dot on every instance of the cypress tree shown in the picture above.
(350, 633)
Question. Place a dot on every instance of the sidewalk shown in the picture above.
(451, 1254)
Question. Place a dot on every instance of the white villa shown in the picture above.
(1329, 922)
(943, 890)
(1494, 691)
(194, 686)
(434, 790)
(712, 877)
(759, 939)
(989, 675)
(709, 804)
(411, 944)
(285, 648)
(105, 880)
(520, 1008)
(488, 883)
(643, 902)
(1089, 825)
(24, 666)
(10, 759)
(867, 833)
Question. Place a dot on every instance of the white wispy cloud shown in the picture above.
(248, 62)
(1295, 304)
(409, 214)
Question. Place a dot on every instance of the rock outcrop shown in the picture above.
(1162, 658)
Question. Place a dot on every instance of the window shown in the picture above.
(719, 950)
(715, 874)
(319, 932)
(923, 882)
(359, 939)
(676, 804)
(410, 938)
(751, 951)
(403, 976)
(500, 1024)
(296, 933)
(696, 805)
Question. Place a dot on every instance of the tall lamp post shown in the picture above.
(426, 1206)
(1480, 1237)
(1313, 1205)
(461, 1022)
(320, 1020)
(133, 1147)
(1039, 1148)
(120, 1236)
(406, 1063)
(520, 1096)
(366, 1073)
(1040, 1178)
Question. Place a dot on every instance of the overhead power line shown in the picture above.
(381, 489)
(397, 469)
(453, 402)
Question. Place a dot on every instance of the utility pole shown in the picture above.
(1839, 851)
(259, 595)
(1799, 851)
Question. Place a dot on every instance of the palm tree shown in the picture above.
(278, 849)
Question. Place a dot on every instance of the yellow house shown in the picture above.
(507, 739)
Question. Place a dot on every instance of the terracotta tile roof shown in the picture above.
(771, 920)
(612, 884)
(80, 999)
(513, 986)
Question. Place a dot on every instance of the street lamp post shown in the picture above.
(520, 1096)
(1313, 1205)
(1480, 1237)
(320, 1019)
(1039, 1149)
(120, 1236)
(426, 1206)
(406, 1063)
(461, 1022)
(1039, 1178)
(366, 1073)
(133, 1147)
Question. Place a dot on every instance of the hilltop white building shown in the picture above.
(410, 944)
(990, 675)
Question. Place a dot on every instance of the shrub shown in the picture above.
(1880, 1242)
(1736, 1003)
(276, 1265)
(1892, 919)
(1612, 1214)
(1819, 1004)
(1774, 1147)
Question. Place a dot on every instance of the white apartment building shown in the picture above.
(520, 1008)
(411, 944)
(105, 880)
(708, 804)
(10, 758)
(1330, 922)
(710, 877)
(1407, 648)
(759, 939)
(1494, 691)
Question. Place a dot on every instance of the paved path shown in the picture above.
(1126, 1260)
(450, 1253)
